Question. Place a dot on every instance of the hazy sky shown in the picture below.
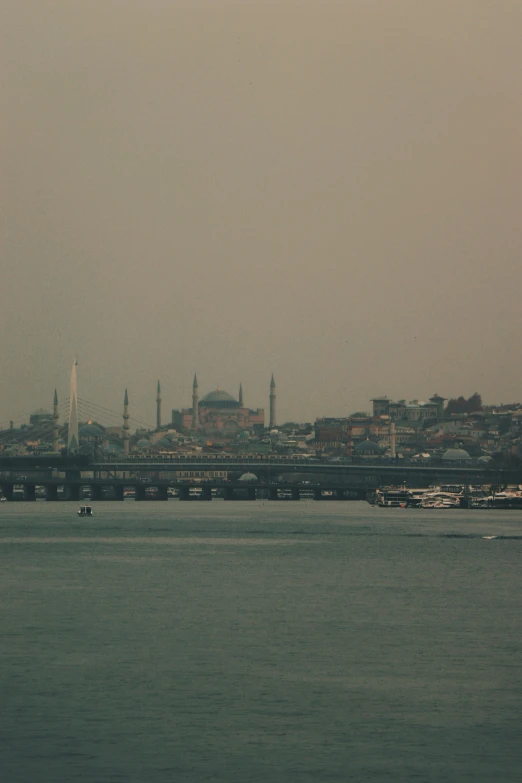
(327, 191)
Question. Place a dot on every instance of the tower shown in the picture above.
(126, 425)
(195, 404)
(73, 442)
(158, 407)
(272, 403)
(393, 436)
(55, 422)
(240, 398)
(439, 402)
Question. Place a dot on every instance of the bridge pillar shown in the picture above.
(206, 493)
(229, 493)
(251, 493)
(272, 493)
(119, 492)
(140, 492)
(296, 493)
(7, 490)
(51, 492)
(96, 491)
(184, 493)
(29, 492)
(318, 494)
(161, 493)
(72, 491)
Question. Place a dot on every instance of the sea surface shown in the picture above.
(259, 641)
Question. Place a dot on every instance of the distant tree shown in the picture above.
(456, 405)
(475, 403)
(505, 461)
(461, 405)
(295, 425)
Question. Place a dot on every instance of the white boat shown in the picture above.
(441, 497)
(392, 497)
(85, 511)
(444, 496)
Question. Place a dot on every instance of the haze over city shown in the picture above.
(329, 192)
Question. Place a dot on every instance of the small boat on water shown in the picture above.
(85, 511)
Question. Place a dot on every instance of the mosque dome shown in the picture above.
(163, 443)
(218, 399)
(248, 477)
(454, 455)
(368, 447)
(143, 443)
(91, 431)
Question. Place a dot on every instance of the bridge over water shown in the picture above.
(151, 478)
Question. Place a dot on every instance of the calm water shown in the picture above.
(259, 642)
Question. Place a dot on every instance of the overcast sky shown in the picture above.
(327, 191)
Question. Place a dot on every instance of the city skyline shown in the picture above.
(278, 242)
(160, 408)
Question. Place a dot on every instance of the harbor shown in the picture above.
(449, 496)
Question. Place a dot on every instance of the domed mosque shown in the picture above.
(220, 413)
(456, 455)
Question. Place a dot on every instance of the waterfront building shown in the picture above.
(333, 433)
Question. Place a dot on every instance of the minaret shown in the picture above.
(272, 403)
(393, 448)
(72, 435)
(195, 404)
(158, 407)
(126, 425)
(240, 398)
(55, 422)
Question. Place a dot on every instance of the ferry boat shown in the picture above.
(85, 511)
(392, 497)
(445, 496)
(440, 500)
